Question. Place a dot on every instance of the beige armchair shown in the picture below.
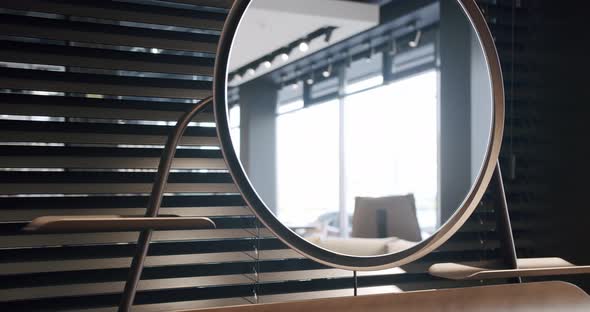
(391, 216)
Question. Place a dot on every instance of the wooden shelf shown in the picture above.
(525, 297)
(114, 223)
(526, 267)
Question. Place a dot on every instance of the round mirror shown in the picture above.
(362, 133)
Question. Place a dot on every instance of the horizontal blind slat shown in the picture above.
(101, 108)
(100, 133)
(97, 127)
(13, 214)
(52, 81)
(161, 248)
(212, 3)
(62, 55)
(36, 27)
(39, 240)
(125, 188)
(88, 162)
(121, 11)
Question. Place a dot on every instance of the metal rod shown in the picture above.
(504, 227)
(356, 283)
(154, 203)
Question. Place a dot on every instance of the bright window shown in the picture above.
(234, 127)
(389, 137)
(307, 163)
(391, 143)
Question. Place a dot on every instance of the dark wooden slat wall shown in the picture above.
(549, 127)
(86, 105)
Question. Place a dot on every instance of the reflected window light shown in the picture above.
(289, 107)
(234, 127)
(364, 84)
(31, 118)
(411, 169)
(295, 164)
(234, 116)
(204, 124)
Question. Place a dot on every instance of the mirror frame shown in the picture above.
(319, 254)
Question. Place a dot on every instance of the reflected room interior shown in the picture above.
(362, 129)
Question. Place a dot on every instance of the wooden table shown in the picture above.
(551, 296)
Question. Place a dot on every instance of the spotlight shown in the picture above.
(414, 43)
(267, 64)
(329, 34)
(303, 46)
(284, 56)
(250, 72)
(309, 80)
(295, 86)
(237, 77)
(328, 72)
(155, 50)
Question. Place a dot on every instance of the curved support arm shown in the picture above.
(113, 223)
(526, 267)
(155, 201)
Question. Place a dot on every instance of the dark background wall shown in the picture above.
(549, 192)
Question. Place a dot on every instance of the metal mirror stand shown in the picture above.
(504, 226)
(147, 224)
(155, 201)
(511, 267)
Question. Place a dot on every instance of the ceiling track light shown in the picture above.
(414, 43)
(327, 72)
(329, 33)
(303, 46)
(284, 56)
(309, 79)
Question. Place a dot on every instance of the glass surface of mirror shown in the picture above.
(361, 126)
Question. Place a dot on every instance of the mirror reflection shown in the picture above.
(361, 126)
